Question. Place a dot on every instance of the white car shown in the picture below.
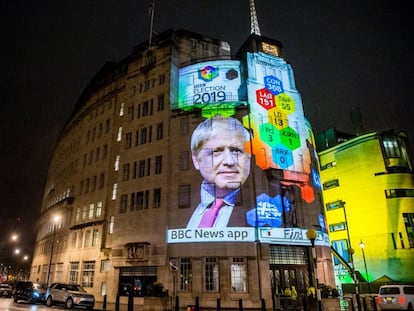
(70, 295)
(396, 297)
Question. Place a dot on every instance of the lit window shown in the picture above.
(119, 138)
(88, 238)
(121, 109)
(114, 191)
(91, 210)
(186, 274)
(98, 209)
(211, 274)
(111, 225)
(95, 237)
(88, 273)
(116, 165)
(73, 272)
(238, 275)
(337, 227)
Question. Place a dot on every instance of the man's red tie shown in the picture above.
(210, 215)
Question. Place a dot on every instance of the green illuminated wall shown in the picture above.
(359, 167)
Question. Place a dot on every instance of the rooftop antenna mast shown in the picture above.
(254, 24)
(151, 13)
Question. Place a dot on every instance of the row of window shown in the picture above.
(89, 212)
(91, 184)
(143, 136)
(141, 168)
(100, 153)
(89, 239)
(97, 131)
(148, 84)
(140, 200)
(146, 108)
(211, 274)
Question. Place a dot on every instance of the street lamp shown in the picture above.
(362, 246)
(55, 222)
(311, 234)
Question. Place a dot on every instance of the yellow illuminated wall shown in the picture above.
(356, 178)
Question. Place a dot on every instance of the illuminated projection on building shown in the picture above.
(213, 87)
(279, 137)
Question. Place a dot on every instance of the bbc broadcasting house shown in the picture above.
(121, 185)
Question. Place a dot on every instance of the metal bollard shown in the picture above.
(218, 304)
(177, 303)
(117, 302)
(263, 305)
(197, 304)
(240, 305)
(131, 301)
(104, 302)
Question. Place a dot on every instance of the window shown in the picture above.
(399, 193)
(116, 164)
(238, 275)
(107, 126)
(337, 227)
(87, 181)
(186, 274)
(123, 204)
(73, 272)
(132, 205)
(84, 212)
(334, 205)
(141, 172)
(128, 140)
(98, 209)
(88, 273)
(59, 272)
(137, 138)
(105, 265)
(148, 167)
(158, 165)
(143, 136)
(97, 154)
(125, 172)
(184, 196)
(160, 103)
(88, 238)
(341, 247)
(161, 79)
(91, 210)
(114, 191)
(95, 237)
(111, 225)
(101, 180)
(74, 236)
(80, 239)
(159, 131)
(130, 112)
(331, 184)
(145, 108)
(408, 219)
(211, 274)
(119, 137)
(391, 147)
(78, 210)
(184, 160)
(157, 198)
(121, 109)
(139, 200)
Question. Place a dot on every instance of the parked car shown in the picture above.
(396, 297)
(6, 290)
(70, 295)
(29, 291)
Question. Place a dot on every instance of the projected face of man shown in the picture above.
(222, 158)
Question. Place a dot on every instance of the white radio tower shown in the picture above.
(254, 24)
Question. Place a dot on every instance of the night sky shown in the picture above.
(345, 55)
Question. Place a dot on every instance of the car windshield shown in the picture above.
(390, 291)
(77, 288)
(40, 286)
